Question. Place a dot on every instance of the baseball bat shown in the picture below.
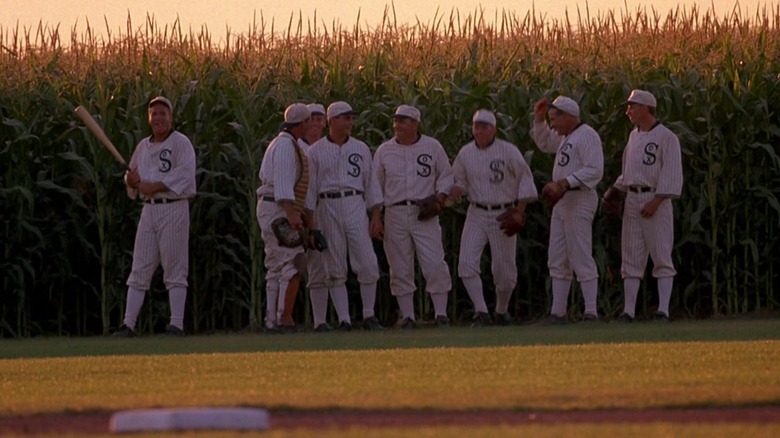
(86, 117)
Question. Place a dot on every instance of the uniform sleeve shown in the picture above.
(285, 171)
(181, 179)
(314, 180)
(373, 195)
(592, 159)
(619, 184)
(670, 180)
(545, 138)
(459, 173)
(131, 193)
(445, 178)
(526, 190)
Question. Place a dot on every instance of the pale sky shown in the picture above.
(237, 14)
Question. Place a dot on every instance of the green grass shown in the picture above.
(713, 363)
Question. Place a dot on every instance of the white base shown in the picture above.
(190, 418)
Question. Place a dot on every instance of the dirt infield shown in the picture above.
(96, 423)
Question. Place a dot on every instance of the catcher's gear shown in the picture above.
(552, 192)
(429, 207)
(317, 240)
(286, 235)
(512, 221)
(613, 201)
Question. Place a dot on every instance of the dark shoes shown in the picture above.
(553, 320)
(589, 317)
(481, 319)
(172, 330)
(323, 328)
(372, 324)
(407, 324)
(661, 317)
(625, 318)
(503, 319)
(442, 321)
(124, 332)
(344, 326)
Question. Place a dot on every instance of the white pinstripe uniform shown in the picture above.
(342, 186)
(579, 159)
(494, 179)
(407, 173)
(163, 231)
(277, 183)
(652, 166)
(315, 264)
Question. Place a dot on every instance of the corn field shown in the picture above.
(68, 228)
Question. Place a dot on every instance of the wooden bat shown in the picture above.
(99, 133)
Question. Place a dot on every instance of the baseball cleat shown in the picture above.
(407, 324)
(625, 318)
(589, 317)
(553, 320)
(124, 332)
(172, 330)
(504, 319)
(481, 319)
(323, 328)
(660, 317)
(442, 321)
(372, 324)
(344, 326)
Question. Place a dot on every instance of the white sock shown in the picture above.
(502, 301)
(177, 297)
(338, 294)
(135, 300)
(440, 303)
(406, 305)
(560, 290)
(630, 292)
(281, 298)
(271, 299)
(589, 294)
(368, 296)
(664, 294)
(319, 305)
(474, 288)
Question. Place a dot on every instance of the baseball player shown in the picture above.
(318, 290)
(579, 166)
(409, 167)
(283, 187)
(652, 176)
(342, 187)
(495, 177)
(162, 173)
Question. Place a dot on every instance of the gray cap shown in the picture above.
(163, 100)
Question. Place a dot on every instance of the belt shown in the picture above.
(641, 189)
(162, 200)
(572, 189)
(268, 198)
(405, 202)
(495, 207)
(344, 194)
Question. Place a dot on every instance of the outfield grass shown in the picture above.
(577, 367)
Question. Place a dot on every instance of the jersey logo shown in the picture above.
(424, 165)
(497, 171)
(650, 154)
(354, 165)
(563, 155)
(165, 161)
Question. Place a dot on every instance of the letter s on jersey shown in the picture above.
(165, 160)
(424, 168)
(650, 154)
(354, 165)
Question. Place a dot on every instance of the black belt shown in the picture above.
(268, 198)
(571, 189)
(344, 194)
(495, 207)
(162, 200)
(405, 202)
(641, 189)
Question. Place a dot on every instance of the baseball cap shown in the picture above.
(484, 116)
(296, 113)
(162, 100)
(339, 108)
(641, 97)
(315, 108)
(407, 111)
(566, 105)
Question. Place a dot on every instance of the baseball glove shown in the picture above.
(512, 221)
(613, 201)
(429, 207)
(552, 192)
(317, 240)
(286, 235)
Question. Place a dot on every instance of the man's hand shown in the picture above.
(540, 110)
(651, 207)
(132, 178)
